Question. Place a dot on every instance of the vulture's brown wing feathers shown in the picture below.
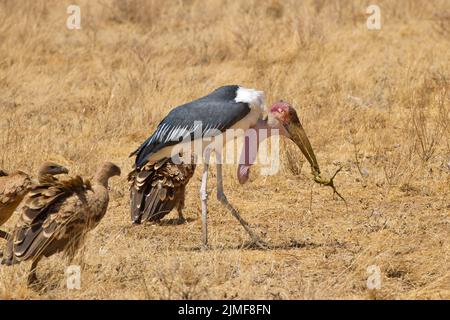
(160, 201)
(158, 188)
(50, 220)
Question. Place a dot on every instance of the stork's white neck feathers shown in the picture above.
(253, 97)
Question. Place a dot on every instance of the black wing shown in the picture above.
(217, 111)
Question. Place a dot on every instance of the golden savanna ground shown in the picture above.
(374, 101)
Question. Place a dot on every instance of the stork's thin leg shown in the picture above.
(204, 197)
(224, 201)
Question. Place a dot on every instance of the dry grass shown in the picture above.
(376, 102)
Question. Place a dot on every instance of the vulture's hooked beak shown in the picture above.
(298, 135)
(63, 170)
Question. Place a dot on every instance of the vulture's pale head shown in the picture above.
(106, 171)
(53, 169)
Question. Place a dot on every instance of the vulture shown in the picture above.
(157, 188)
(56, 216)
(15, 186)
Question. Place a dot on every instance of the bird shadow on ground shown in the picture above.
(160, 223)
(267, 247)
(174, 222)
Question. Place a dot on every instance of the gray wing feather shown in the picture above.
(214, 113)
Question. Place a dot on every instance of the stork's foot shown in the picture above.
(255, 239)
(258, 244)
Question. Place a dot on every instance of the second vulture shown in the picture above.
(56, 216)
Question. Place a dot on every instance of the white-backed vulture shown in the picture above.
(55, 217)
(15, 186)
(157, 188)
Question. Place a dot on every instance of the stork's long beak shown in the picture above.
(298, 135)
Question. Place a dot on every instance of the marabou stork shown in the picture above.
(155, 191)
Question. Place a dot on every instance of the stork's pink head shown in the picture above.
(281, 116)
(284, 113)
(286, 117)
